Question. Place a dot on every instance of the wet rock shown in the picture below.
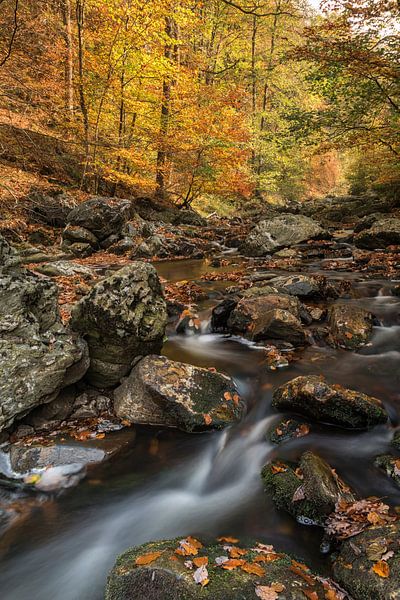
(122, 246)
(396, 440)
(122, 317)
(313, 397)
(159, 391)
(171, 576)
(221, 313)
(282, 231)
(50, 415)
(288, 429)
(257, 291)
(375, 564)
(29, 458)
(38, 355)
(64, 268)
(188, 324)
(75, 234)
(303, 286)
(274, 316)
(309, 492)
(351, 325)
(367, 222)
(390, 465)
(383, 233)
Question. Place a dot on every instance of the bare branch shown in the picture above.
(13, 34)
(255, 11)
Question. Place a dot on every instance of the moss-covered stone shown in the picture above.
(359, 565)
(308, 491)
(351, 326)
(390, 465)
(160, 391)
(123, 316)
(288, 429)
(313, 397)
(169, 576)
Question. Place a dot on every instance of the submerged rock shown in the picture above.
(313, 397)
(288, 429)
(162, 570)
(163, 392)
(38, 356)
(123, 316)
(351, 325)
(375, 564)
(308, 491)
(279, 232)
(273, 316)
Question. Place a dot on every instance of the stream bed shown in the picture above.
(170, 483)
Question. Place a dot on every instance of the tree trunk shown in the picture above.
(69, 59)
(80, 20)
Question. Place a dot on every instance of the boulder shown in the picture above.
(274, 316)
(38, 355)
(288, 429)
(390, 465)
(383, 233)
(188, 569)
(50, 207)
(221, 313)
(101, 216)
(309, 286)
(279, 232)
(308, 491)
(9, 258)
(351, 325)
(64, 268)
(375, 563)
(160, 391)
(313, 397)
(122, 317)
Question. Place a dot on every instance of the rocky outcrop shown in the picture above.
(38, 355)
(308, 491)
(375, 563)
(9, 258)
(123, 316)
(188, 569)
(94, 224)
(309, 286)
(313, 397)
(351, 326)
(383, 233)
(50, 207)
(339, 209)
(163, 392)
(279, 232)
(273, 316)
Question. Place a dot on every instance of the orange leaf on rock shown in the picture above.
(228, 540)
(146, 559)
(207, 419)
(271, 592)
(233, 563)
(236, 552)
(310, 594)
(381, 568)
(236, 399)
(228, 396)
(200, 561)
(253, 568)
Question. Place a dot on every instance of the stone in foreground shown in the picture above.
(313, 397)
(123, 316)
(309, 497)
(173, 394)
(351, 326)
(375, 564)
(169, 570)
(282, 231)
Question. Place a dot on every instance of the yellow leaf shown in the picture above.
(381, 568)
(146, 559)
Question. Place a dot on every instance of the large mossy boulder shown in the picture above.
(351, 326)
(368, 565)
(273, 316)
(384, 232)
(188, 570)
(283, 231)
(38, 356)
(315, 398)
(122, 317)
(160, 391)
(308, 491)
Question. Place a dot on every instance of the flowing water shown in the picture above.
(171, 484)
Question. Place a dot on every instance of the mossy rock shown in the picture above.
(313, 397)
(169, 576)
(351, 326)
(390, 465)
(368, 565)
(288, 429)
(308, 491)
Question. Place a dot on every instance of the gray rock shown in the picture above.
(313, 397)
(64, 268)
(282, 231)
(73, 234)
(163, 392)
(122, 317)
(9, 258)
(101, 216)
(50, 207)
(38, 355)
(351, 325)
(383, 233)
(25, 459)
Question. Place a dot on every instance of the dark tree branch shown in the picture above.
(13, 34)
(255, 11)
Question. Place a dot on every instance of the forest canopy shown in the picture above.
(184, 99)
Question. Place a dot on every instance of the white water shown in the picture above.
(210, 487)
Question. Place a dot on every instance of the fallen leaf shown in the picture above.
(188, 547)
(201, 576)
(233, 563)
(221, 560)
(311, 594)
(381, 568)
(299, 494)
(200, 561)
(146, 559)
(271, 592)
(253, 568)
(207, 419)
(236, 552)
(278, 468)
(228, 540)
(228, 396)
(236, 399)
